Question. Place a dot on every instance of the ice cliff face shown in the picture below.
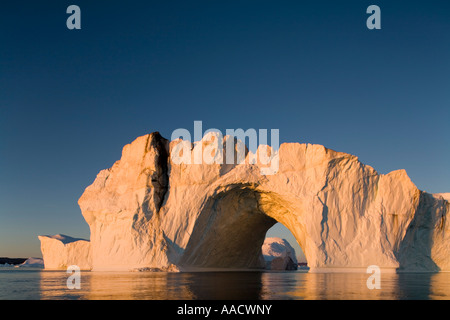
(148, 212)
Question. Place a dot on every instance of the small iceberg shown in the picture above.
(32, 263)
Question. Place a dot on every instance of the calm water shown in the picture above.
(38, 284)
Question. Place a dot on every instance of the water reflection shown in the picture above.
(243, 286)
(420, 286)
(112, 286)
(226, 285)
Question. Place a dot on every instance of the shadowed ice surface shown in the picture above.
(41, 284)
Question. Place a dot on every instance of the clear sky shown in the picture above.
(71, 99)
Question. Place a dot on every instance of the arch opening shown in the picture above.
(280, 234)
(231, 228)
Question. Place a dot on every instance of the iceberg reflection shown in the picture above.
(243, 286)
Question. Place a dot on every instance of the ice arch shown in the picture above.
(231, 229)
(147, 212)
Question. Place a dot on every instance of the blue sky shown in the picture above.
(70, 99)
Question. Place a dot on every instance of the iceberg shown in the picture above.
(148, 213)
(279, 254)
(32, 263)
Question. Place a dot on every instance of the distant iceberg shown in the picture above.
(32, 263)
(6, 265)
(279, 254)
(22, 262)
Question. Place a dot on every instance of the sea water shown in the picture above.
(36, 284)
